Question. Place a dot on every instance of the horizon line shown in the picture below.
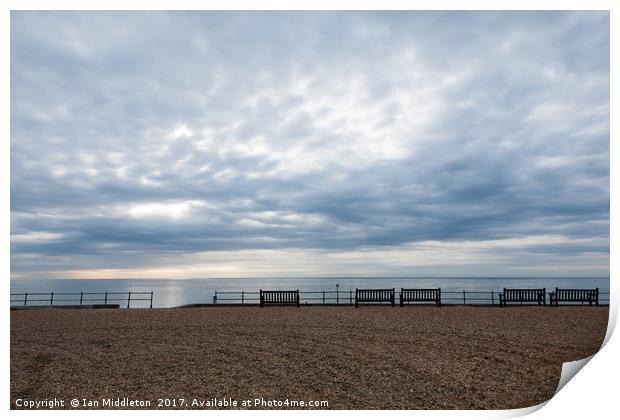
(324, 277)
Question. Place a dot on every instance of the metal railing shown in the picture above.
(326, 297)
(455, 297)
(79, 298)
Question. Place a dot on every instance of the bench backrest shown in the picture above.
(524, 295)
(279, 296)
(576, 295)
(420, 295)
(374, 295)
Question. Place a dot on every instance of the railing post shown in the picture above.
(323, 296)
(151, 307)
(25, 298)
(350, 297)
(215, 298)
(128, 299)
(105, 302)
(81, 297)
(242, 298)
(464, 301)
(492, 298)
(52, 299)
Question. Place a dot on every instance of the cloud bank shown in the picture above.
(197, 144)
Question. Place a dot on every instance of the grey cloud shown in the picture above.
(349, 130)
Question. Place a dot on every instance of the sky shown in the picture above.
(272, 144)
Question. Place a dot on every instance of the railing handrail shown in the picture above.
(88, 293)
(325, 296)
(346, 296)
(105, 297)
(353, 290)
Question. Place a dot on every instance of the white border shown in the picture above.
(311, 5)
(591, 394)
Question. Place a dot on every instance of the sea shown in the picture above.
(329, 290)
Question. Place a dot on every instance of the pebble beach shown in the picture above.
(373, 357)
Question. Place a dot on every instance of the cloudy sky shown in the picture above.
(203, 144)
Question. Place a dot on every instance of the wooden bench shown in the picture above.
(279, 297)
(522, 296)
(374, 296)
(574, 295)
(420, 295)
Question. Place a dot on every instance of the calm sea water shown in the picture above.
(169, 293)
